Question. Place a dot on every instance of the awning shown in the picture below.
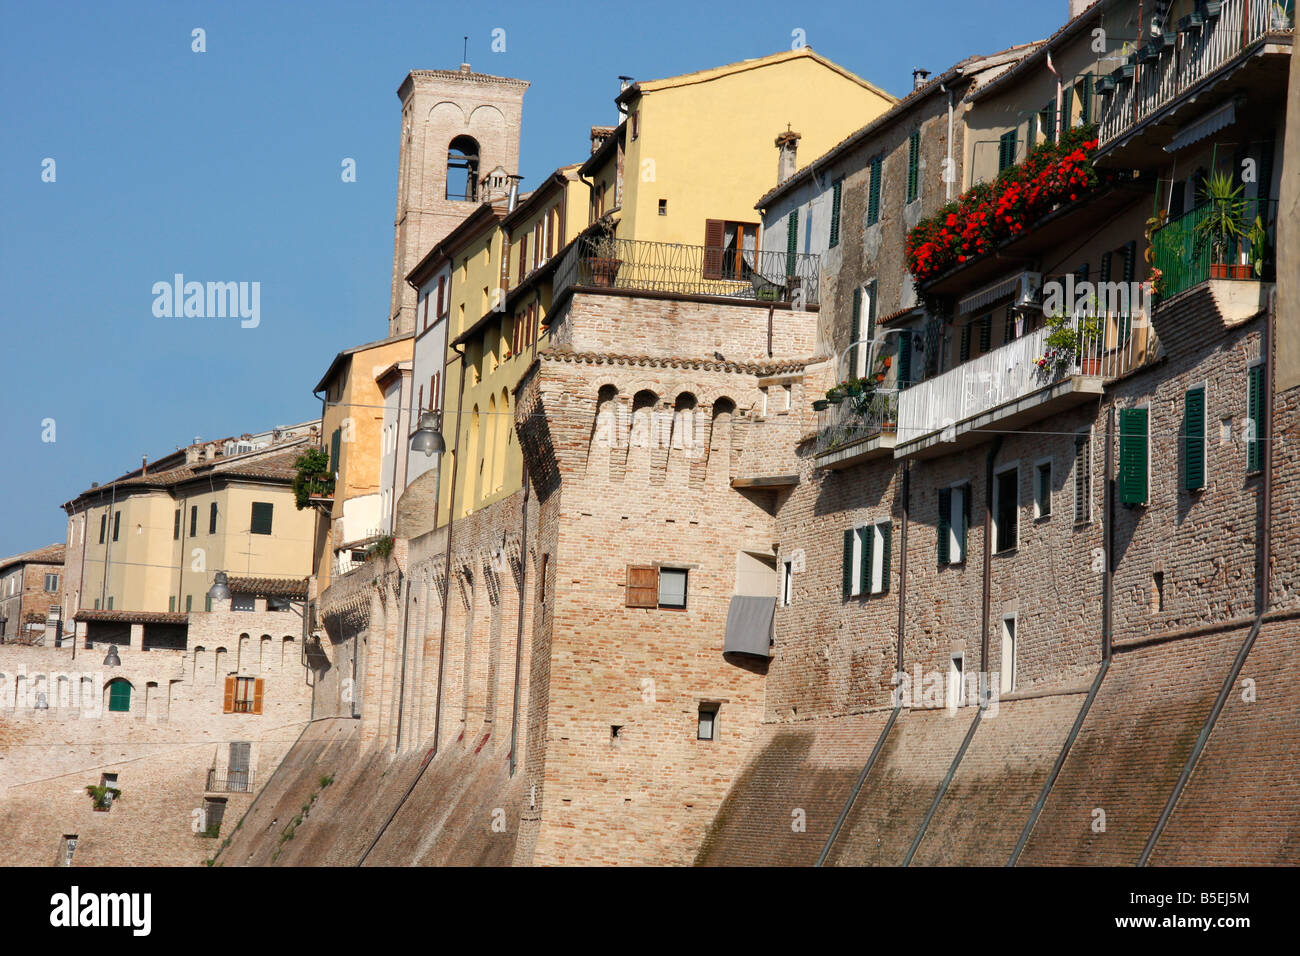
(749, 626)
(990, 294)
(1212, 122)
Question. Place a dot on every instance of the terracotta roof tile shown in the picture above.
(132, 617)
(50, 554)
(270, 587)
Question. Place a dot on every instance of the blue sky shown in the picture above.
(225, 165)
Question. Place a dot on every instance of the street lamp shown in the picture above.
(111, 659)
(428, 438)
(220, 590)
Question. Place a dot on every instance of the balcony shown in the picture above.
(856, 430)
(229, 781)
(1202, 60)
(1012, 386)
(1186, 254)
(668, 268)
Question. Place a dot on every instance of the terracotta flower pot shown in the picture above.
(1220, 270)
(603, 271)
(1242, 271)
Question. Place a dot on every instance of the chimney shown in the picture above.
(514, 192)
(464, 68)
(787, 144)
(144, 464)
(919, 76)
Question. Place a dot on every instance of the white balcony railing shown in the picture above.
(1197, 53)
(1116, 346)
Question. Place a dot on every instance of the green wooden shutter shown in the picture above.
(260, 521)
(1130, 259)
(886, 548)
(1085, 99)
(1009, 325)
(119, 696)
(963, 352)
(1067, 106)
(1133, 456)
(848, 563)
(1194, 439)
(873, 193)
(791, 240)
(871, 311)
(1104, 275)
(964, 517)
(866, 539)
(1006, 150)
(334, 451)
(1049, 122)
(904, 358)
(914, 166)
(855, 330)
(945, 524)
(835, 213)
(986, 332)
(1254, 418)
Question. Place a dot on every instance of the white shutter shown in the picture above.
(877, 560)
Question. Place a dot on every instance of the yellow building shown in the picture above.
(675, 182)
(153, 539)
(352, 423)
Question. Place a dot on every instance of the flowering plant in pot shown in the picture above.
(1220, 224)
(1062, 345)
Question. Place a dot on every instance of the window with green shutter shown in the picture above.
(914, 166)
(944, 525)
(1194, 439)
(1134, 456)
(835, 212)
(986, 332)
(791, 240)
(873, 192)
(886, 530)
(1006, 150)
(904, 358)
(963, 349)
(1254, 418)
(260, 522)
(1067, 107)
(866, 541)
(1009, 325)
(335, 439)
(1085, 99)
(119, 696)
(849, 538)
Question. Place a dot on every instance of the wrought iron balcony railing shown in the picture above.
(230, 781)
(1189, 249)
(854, 419)
(674, 268)
(1176, 62)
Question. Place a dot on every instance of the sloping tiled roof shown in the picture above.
(50, 554)
(270, 587)
(132, 617)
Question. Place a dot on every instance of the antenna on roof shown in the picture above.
(464, 50)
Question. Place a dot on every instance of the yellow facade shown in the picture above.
(164, 555)
(352, 424)
(702, 143)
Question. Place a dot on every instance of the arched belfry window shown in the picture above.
(462, 169)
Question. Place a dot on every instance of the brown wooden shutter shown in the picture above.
(642, 586)
(523, 254)
(257, 695)
(229, 706)
(714, 236)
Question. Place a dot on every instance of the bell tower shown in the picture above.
(457, 127)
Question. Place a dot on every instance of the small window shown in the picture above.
(672, 587)
(51, 583)
(708, 722)
(117, 523)
(1007, 679)
(1006, 510)
(787, 583)
(214, 812)
(1158, 591)
(663, 207)
(171, 603)
(243, 695)
(914, 166)
(836, 200)
(176, 525)
(194, 520)
(242, 602)
(956, 679)
(954, 520)
(873, 191)
(1043, 490)
(207, 602)
(212, 518)
(189, 603)
(68, 848)
(1083, 477)
(103, 523)
(1007, 150)
(260, 523)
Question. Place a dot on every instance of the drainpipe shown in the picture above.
(902, 564)
(1265, 553)
(401, 684)
(446, 578)
(519, 624)
(1108, 539)
(988, 552)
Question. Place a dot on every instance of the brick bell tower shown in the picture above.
(457, 126)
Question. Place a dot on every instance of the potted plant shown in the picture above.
(602, 253)
(820, 405)
(1062, 345)
(1191, 22)
(1220, 225)
(1257, 237)
(835, 394)
(102, 797)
